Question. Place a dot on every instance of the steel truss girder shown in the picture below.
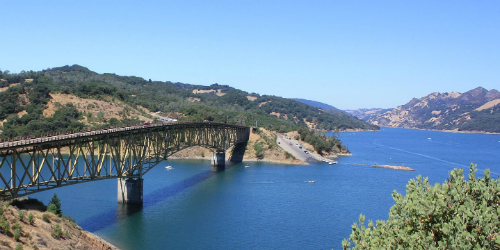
(34, 165)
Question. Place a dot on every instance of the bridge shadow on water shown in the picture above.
(122, 211)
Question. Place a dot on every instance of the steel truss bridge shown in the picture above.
(36, 164)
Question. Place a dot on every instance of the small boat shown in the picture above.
(169, 167)
(247, 166)
(332, 162)
(311, 181)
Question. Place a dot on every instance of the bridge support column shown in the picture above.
(219, 159)
(130, 190)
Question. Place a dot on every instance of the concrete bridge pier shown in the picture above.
(219, 159)
(130, 190)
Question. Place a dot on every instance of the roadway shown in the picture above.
(293, 147)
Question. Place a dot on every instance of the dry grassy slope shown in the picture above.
(110, 108)
(38, 235)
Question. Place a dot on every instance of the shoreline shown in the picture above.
(105, 244)
(446, 131)
(285, 162)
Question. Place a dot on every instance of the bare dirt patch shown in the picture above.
(276, 114)
(310, 125)
(194, 99)
(251, 98)
(202, 91)
(12, 85)
(97, 108)
(489, 105)
(218, 92)
(263, 103)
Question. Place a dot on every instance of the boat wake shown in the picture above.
(422, 155)
(430, 157)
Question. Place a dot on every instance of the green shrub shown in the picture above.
(46, 217)
(17, 234)
(19, 246)
(17, 226)
(259, 149)
(31, 218)
(56, 232)
(20, 215)
(457, 214)
(5, 225)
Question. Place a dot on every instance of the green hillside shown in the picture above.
(28, 93)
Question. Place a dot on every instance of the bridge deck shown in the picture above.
(76, 135)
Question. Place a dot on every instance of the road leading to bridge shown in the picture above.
(292, 147)
(295, 148)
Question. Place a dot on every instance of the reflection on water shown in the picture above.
(123, 211)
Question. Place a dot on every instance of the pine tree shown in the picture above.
(55, 206)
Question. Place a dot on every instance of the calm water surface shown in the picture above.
(269, 206)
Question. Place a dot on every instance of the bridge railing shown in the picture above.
(22, 141)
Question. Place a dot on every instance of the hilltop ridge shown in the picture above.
(475, 110)
(74, 97)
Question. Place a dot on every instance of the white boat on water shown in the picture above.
(247, 166)
(332, 162)
(168, 167)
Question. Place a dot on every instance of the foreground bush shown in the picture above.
(457, 214)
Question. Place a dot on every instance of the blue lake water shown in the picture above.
(270, 206)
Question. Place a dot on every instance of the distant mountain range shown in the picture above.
(474, 110)
(364, 114)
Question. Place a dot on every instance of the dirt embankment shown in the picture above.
(46, 231)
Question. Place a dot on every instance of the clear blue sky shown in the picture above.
(349, 54)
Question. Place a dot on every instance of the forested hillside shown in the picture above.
(34, 103)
